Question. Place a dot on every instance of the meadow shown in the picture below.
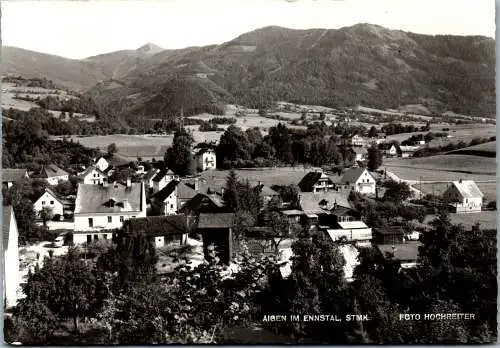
(486, 219)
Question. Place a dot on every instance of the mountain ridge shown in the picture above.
(362, 64)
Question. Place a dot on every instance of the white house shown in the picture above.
(102, 164)
(205, 159)
(360, 153)
(162, 178)
(99, 209)
(359, 180)
(464, 196)
(10, 241)
(49, 199)
(388, 150)
(165, 200)
(316, 181)
(93, 176)
(355, 140)
(408, 151)
(52, 174)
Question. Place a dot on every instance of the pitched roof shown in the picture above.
(162, 173)
(97, 198)
(203, 150)
(13, 175)
(221, 220)
(157, 225)
(310, 179)
(185, 192)
(7, 214)
(50, 171)
(467, 188)
(165, 192)
(89, 169)
(409, 148)
(151, 173)
(54, 195)
(196, 202)
(352, 175)
(266, 190)
(310, 202)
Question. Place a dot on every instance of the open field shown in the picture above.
(486, 149)
(487, 219)
(443, 168)
(458, 133)
(9, 92)
(266, 176)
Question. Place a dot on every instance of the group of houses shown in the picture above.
(360, 145)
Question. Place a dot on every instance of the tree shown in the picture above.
(397, 192)
(112, 149)
(46, 214)
(373, 132)
(231, 192)
(179, 157)
(65, 285)
(374, 158)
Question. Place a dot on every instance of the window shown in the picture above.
(52, 202)
(43, 202)
(110, 219)
(105, 236)
(171, 206)
(121, 218)
(133, 217)
(96, 237)
(94, 175)
(91, 222)
(89, 238)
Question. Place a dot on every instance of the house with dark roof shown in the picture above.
(404, 255)
(203, 203)
(316, 182)
(148, 177)
(164, 201)
(217, 231)
(463, 196)
(389, 235)
(162, 178)
(407, 151)
(11, 176)
(188, 188)
(52, 174)
(161, 230)
(10, 240)
(388, 149)
(100, 208)
(51, 200)
(266, 193)
(360, 180)
(93, 176)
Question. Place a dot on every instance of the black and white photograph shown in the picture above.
(263, 172)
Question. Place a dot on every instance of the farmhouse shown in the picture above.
(316, 182)
(216, 231)
(99, 209)
(360, 153)
(203, 203)
(93, 176)
(355, 140)
(51, 200)
(205, 159)
(172, 229)
(388, 150)
(359, 180)
(162, 178)
(11, 176)
(148, 177)
(102, 164)
(52, 174)
(10, 241)
(464, 197)
(408, 151)
(266, 193)
(165, 200)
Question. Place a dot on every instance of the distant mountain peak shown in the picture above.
(150, 48)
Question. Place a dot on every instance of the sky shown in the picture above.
(78, 29)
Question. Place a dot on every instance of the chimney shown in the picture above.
(129, 182)
(460, 181)
(115, 184)
(196, 184)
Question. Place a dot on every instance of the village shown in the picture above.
(195, 213)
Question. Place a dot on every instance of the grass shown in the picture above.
(266, 176)
(489, 189)
(487, 219)
(443, 168)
